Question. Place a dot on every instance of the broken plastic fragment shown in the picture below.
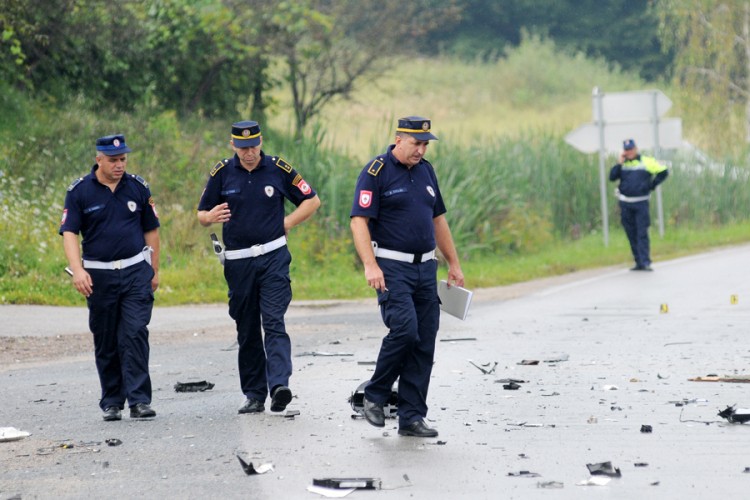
(113, 442)
(485, 368)
(646, 428)
(291, 413)
(360, 483)
(322, 353)
(603, 469)
(735, 416)
(193, 386)
(511, 387)
(594, 481)
(251, 470)
(528, 362)
(550, 484)
(12, 434)
(524, 473)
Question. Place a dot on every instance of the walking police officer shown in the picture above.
(246, 195)
(638, 175)
(115, 213)
(397, 219)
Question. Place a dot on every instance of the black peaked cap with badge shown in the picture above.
(246, 134)
(416, 126)
(112, 145)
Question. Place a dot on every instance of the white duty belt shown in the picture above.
(255, 250)
(413, 258)
(144, 254)
(630, 199)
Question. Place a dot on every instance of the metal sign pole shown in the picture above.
(657, 153)
(597, 97)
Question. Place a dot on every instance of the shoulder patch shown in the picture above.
(75, 183)
(219, 166)
(283, 165)
(140, 179)
(374, 167)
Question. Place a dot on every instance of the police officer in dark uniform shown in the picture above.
(246, 195)
(397, 219)
(115, 213)
(638, 176)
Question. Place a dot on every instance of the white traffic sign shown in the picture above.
(632, 106)
(587, 140)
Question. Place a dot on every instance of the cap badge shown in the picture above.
(116, 143)
(246, 132)
(425, 126)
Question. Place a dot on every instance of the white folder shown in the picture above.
(454, 300)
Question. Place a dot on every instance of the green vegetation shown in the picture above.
(522, 204)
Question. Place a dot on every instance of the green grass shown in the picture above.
(521, 203)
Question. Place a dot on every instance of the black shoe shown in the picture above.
(142, 410)
(252, 405)
(417, 429)
(374, 413)
(641, 268)
(111, 414)
(280, 397)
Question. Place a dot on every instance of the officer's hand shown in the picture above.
(219, 214)
(622, 158)
(82, 281)
(455, 276)
(155, 282)
(375, 278)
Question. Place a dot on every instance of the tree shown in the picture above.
(711, 39)
(330, 46)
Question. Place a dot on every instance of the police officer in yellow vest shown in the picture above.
(638, 176)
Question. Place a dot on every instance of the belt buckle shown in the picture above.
(417, 258)
(256, 250)
(117, 264)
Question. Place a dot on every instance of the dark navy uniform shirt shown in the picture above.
(400, 202)
(256, 199)
(112, 223)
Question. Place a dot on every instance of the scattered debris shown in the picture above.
(594, 481)
(664, 308)
(322, 353)
(735, 416)
(12, 434)
(511, 387)
(528, 362)
(603, 469)
(510, 381)
(646, 429)
(357, 401)
(233, 347)
(113, 442)
(592, 420)
(193, 386)
(458, 339)
(558, 359)
(550, 484)
(357, 483)
(747, 469)
(686, 401)
(524, 473)
(610, 388)
(484, 368)
(640, 464)
(736, 379)
(367, 362)
(291, 413)
(251, 470)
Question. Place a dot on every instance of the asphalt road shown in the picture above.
(615, 351)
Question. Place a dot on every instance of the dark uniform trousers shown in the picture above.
(120, 308)
(411, 311)
(260, 292)
(636, 219)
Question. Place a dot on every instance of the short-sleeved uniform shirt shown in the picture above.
(400, 203)
(256, 198)
(112, 223)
